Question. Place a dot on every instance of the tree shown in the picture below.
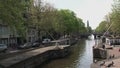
(43, 16)
(11, 14)
(68, 21)
(115, 17)
(112, 20)
(82, 28)
(102, 27)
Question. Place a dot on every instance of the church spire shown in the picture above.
(87, 23)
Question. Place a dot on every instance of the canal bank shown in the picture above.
(112, 59)
(34, 58)
(81, 56)
(110, 49)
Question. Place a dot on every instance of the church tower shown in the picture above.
(87, 24)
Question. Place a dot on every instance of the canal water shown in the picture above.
(81, 56)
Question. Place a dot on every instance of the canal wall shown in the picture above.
(36, 57)
(99, 53)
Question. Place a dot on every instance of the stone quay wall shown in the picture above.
(36, 60)
(99, 53)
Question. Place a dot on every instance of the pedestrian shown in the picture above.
(110, 57)
(113, 56)
(103, 46)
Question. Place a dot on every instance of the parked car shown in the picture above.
(46, 41)
(35, 44)
(3, 48)
(26, 45)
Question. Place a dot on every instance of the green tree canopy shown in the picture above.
(21, 14)
(114, 20)
(12, 14)
(102, 27)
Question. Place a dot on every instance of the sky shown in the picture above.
(92, 10)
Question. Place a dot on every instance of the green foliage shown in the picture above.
(67, 20)
(69, 23)
(20, 14)
(114, 17)
(11, 14)
(82, 28)
(102, 27)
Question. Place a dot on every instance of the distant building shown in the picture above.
(88, 27)
(88, 24)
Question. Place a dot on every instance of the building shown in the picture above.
(88, 24)
(32, 35)
(113, 41)
(12, 39)
(6, 36)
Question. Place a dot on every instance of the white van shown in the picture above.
(46, 41)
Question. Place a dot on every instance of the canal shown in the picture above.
(81, 56)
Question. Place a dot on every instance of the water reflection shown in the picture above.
(81, 56)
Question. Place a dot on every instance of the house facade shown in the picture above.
(6, 37)
(32, 35)
(113, 41)
(12, 39)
